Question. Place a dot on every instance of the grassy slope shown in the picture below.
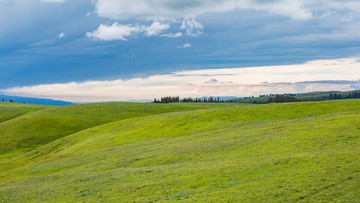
(34, 129)
(12, 110)
(280, 152)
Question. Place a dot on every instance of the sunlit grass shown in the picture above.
(35, 129)
(277, 152)
(12, 110)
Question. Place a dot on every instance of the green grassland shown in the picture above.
(37, 128)
(12, 110)
(126, 152)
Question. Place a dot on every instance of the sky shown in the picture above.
(117, 50)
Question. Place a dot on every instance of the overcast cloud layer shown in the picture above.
(109, 41)
(172, 9)
(324, 75)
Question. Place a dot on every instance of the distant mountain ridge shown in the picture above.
(30, 100)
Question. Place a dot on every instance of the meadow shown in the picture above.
(12, 110)
(132, 152)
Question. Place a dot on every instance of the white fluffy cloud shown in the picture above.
(156, 28)
(118, 31)
(188, 10)
(114, 32)
(192, 27)
(225, 82)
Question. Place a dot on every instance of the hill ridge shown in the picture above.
(13, 110)
(58, 122)
(245, 124)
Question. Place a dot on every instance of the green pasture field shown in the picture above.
(29, 131)
(128, 152)
(12, 110)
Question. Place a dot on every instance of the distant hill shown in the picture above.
(309, 96)
(30, 100)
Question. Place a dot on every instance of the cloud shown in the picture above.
(175, 9)
(118, 31)
(212, 81)
(186, 11)
(321, 75)
(156, 28)
(56, 1)
(173, 35)
(172, 9)
(356, 85)
(61, 35)
(114, 32)
(186, 45)
(192, 27)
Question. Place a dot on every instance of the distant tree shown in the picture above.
(282, 98)
(353, 95)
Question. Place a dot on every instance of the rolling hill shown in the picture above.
(30, 100)
(12, 110)
(125, 152)
(34, 129)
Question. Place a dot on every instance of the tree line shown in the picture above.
(266, 99)
(272, 99)
(262, 99)
(280, 98)
(351, 95)
(171, 99)
(10, 101)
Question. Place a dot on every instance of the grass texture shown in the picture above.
(307, 152)
(12, 110)
(37, 128)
